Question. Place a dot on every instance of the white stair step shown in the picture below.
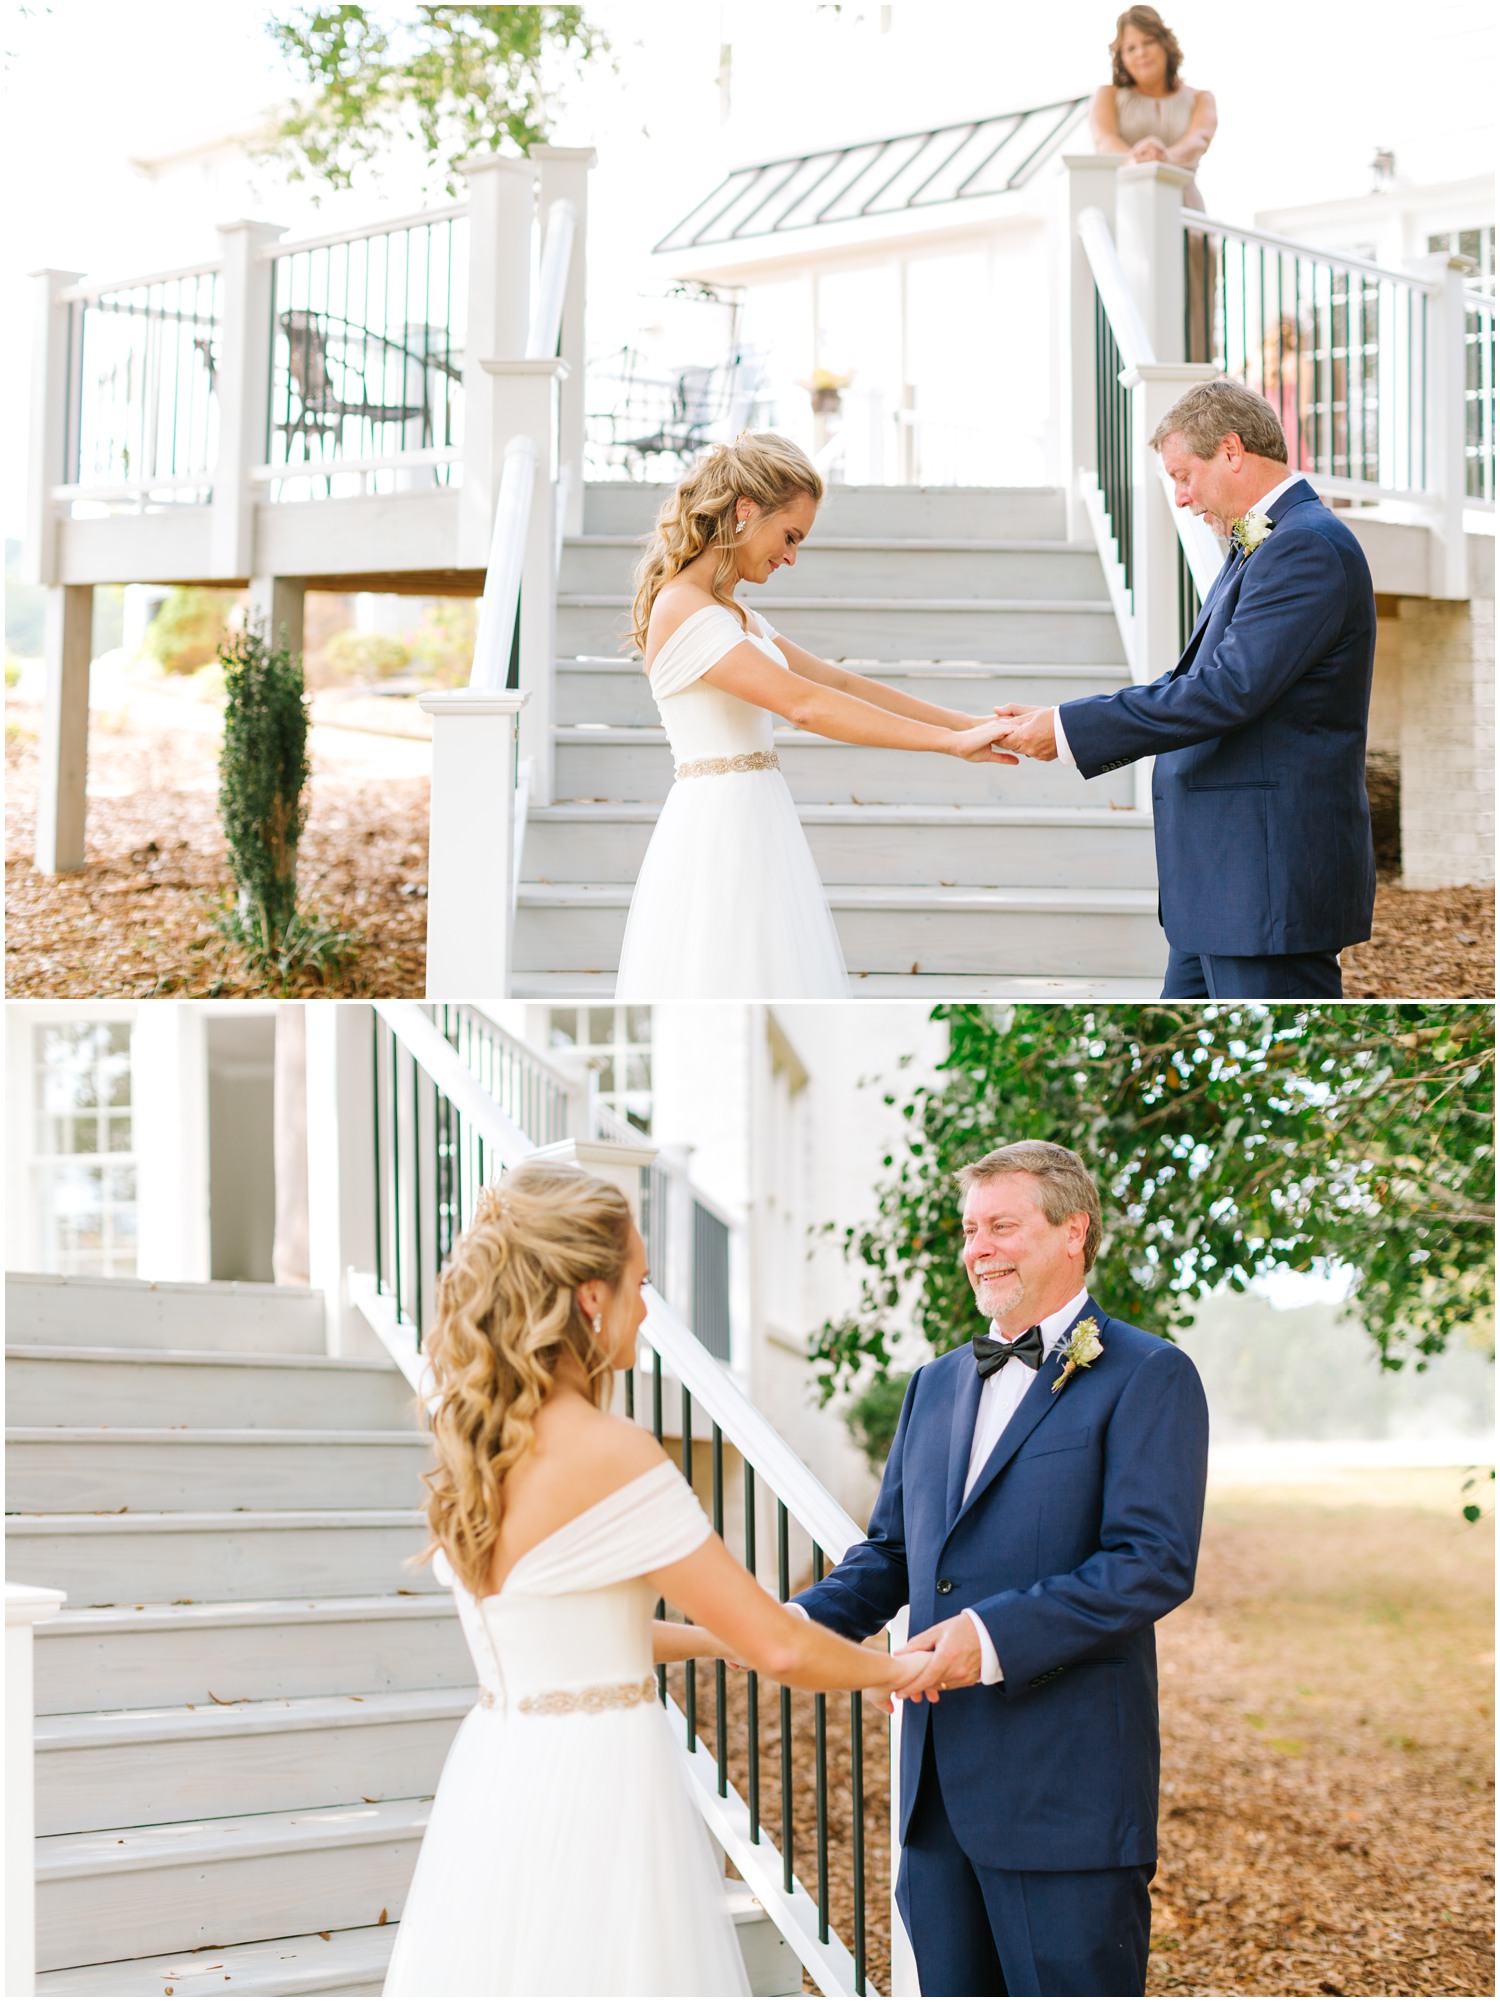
(354, 1962)
(573, 985)
(100, 1386)
(148, 1314)
(1014, 932)
(115, 1560)
(120, 1893)
(630, 507)
(617, 691)
(861, 629)
(102, 1467)
(634, 763)
(880, 568)
(131, 1657)
(119, 1768)
(909, 845)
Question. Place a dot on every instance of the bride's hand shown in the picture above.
(977, 744)
(897, 1670)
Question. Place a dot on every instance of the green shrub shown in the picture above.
(874, 1415)
(263, 773)
(353, 656)
(190, 627)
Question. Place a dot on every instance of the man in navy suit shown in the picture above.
(1040, 1511)
(1263, 844)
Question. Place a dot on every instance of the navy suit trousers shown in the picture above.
(1281, 976)
(981, 1931)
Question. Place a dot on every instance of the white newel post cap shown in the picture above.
(496, 163)
(440, 702)
(30, 1605)
(1167, 172)
(617, 1161)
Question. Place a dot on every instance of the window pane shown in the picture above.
(638, 1074)
(85, 1135)
(116, 1075)
(564, 1031)
(121, 1184)
(601, 1025)
(637, 1025)
(119, 1133)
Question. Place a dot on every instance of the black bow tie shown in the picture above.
(992, 1355)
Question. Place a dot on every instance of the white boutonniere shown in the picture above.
(1251, 530)
(1084, 1347)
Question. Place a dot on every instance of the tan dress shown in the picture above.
(1165, 118)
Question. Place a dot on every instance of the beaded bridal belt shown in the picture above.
(600, 1696)
(746, 761)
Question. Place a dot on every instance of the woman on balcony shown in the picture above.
(564, 1854)
(1147, 112)
(729, 904)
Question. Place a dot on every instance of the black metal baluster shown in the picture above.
(396, 1166)
(752, 1680)
(416, 1197)
(820, 1773)
(690, 1668)
(857, 1832)
(375, 1107)
(783, 1579)
(721, 1692)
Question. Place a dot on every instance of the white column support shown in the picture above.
(277, 605)
(26, 1606)
(502, 216)
(1446, 467)
(244, 392)
(51, 393)
(1154, 388)
(62, 790)
(524, 404)
(1091, 185)
(617, 1161)
(1148, 237)
(564, 176)
(470, 863)
(340, 1163)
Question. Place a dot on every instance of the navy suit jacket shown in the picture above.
(1262, 821)
(1081, 1532)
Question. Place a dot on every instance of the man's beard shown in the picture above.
(1001, 1295)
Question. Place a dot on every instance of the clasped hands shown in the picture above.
(940, 1658)
(1017, 732)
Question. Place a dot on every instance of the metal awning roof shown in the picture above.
(916, 170)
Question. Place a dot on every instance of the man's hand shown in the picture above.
(954, 1663)
(1029, 731)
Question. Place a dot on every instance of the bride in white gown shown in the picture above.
(564, 1855)
(729, 904)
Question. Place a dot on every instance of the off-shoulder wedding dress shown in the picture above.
(564, 1855)
(729, 904)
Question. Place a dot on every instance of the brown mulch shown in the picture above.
(1426, 944)
(1327, 1771)
(137, 919)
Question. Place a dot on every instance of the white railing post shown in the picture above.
(340, 1163)
(26, 1606)
(1091, 185)
(617, 1161)
(62, 779)
(1148, 237)
(502, 215)
(53, 370)
(565, 177)
(244, 392)
(523, 404)
(470, 864)
(1447, 470)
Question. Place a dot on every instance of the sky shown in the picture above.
(1304, 101)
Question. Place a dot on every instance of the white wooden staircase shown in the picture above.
(1018, 881)
(244, 1706)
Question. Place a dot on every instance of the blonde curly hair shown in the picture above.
(699, 514)
(507, 1314)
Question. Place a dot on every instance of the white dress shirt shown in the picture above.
(1262, 506)
(999, 1397)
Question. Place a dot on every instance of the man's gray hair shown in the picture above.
(1211, 410)
(1065, 1186)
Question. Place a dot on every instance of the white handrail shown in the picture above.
(375, 462)
(500, 606)
(455, 1080)
(449, 211)
(87, 294)
(1201, 547)
(1194, 219)
(1125, 319)
(552, 281)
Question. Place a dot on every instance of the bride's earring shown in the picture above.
(598, 1324)
(741, 526)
